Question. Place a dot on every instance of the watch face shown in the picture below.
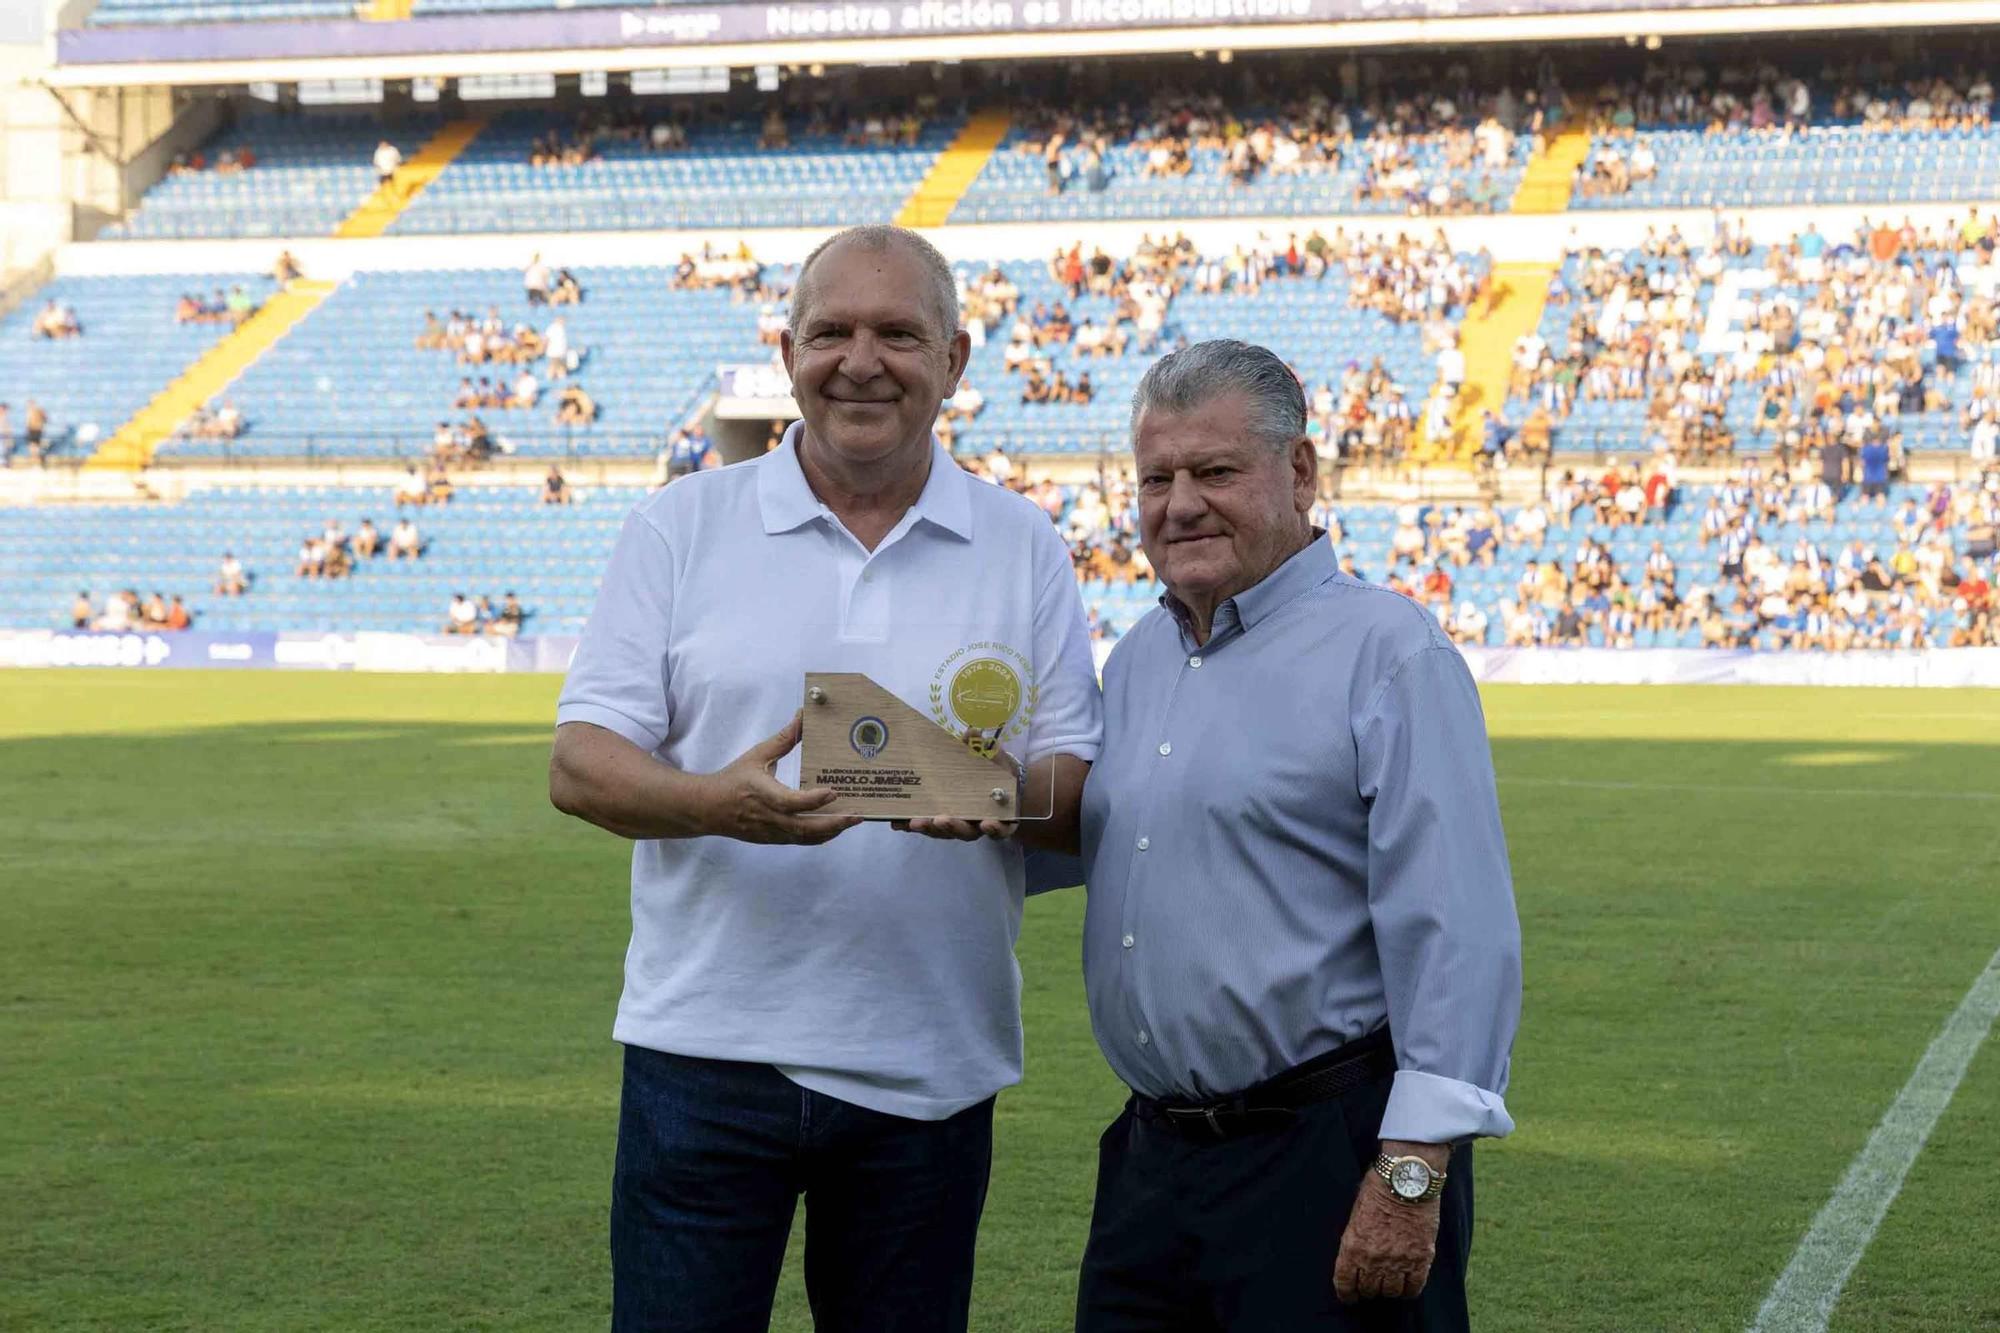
(1410, 1178)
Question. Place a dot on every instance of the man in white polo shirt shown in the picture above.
(813, 1007)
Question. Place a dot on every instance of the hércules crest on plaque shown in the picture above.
(869, 737)
(942, 748)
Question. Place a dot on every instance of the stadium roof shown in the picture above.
(576, 40)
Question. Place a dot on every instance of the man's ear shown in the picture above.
(1305, 474)
(961, 356)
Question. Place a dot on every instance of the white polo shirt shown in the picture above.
(878, 968)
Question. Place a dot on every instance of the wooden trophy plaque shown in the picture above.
(890, 761)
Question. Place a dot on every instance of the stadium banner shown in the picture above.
(90, 648)
(391, 652)
(756, 392)
(695, 25)
(550, 654)
(1947, 668)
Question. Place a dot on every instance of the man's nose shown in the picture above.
(861, 358)
(1185, 502)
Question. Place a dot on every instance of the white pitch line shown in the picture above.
(1763, 789)
(1804, 1295)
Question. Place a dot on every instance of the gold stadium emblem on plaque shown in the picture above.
(986, 693)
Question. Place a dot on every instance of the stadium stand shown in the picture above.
(1592, 576)
(483, 543)
(1819, 165)
(1198, 157)
(529, 172)
(1849, 354)
(507, 6)
(1172, 142)
(1829, 336)
(1326, 304)
(115, 13)
(349, 380)
(130, 345)
(1749, 138)
(305, 173)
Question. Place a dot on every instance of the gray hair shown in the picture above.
(940, 297)
(1193, 376)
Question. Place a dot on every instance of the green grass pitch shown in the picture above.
(306, 993)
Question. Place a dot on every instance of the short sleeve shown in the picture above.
(618, 678)
(1069, 715)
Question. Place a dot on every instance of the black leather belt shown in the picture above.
(1276, 1102)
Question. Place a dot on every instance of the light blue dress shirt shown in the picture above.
(1292, 837)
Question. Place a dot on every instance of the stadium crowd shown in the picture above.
(1761, 100)
(1835, 338)
(1428, 152)
(1753, 588)
(476, 341)
(585, 138)
(1363, 415)
(124, 612)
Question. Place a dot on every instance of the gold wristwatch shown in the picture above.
(1411, 1180)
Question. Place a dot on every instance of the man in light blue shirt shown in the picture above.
(1300, 948)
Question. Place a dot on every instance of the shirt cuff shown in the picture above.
(611, 720)
(1430, 1108)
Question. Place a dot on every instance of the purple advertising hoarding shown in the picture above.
(696, 25)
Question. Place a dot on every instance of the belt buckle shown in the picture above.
(1189, 1119)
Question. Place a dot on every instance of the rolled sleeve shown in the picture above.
(1428, 1108)
(619, 677)
(1441, 901)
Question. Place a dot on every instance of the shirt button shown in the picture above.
(1144, 843)
(1127, 941)
(867, 576)
(1166, 747)
(1195, 662)
(1143, 1038)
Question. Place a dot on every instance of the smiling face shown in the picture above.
(1219, 507)
(869, 367)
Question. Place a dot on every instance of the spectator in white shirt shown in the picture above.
(1451, 367)
(965, 404)
(1985, 443)
(410, 488)
(999, 467)
(388, 158)
(555, 346)
(462, 617)
(526, 390)
(1469, 625)
(230, 580)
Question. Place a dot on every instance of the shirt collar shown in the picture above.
(1300, 574)
(786, 500)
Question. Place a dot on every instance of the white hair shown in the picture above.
(1182, 381)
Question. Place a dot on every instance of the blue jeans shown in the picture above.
(712, 1158)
